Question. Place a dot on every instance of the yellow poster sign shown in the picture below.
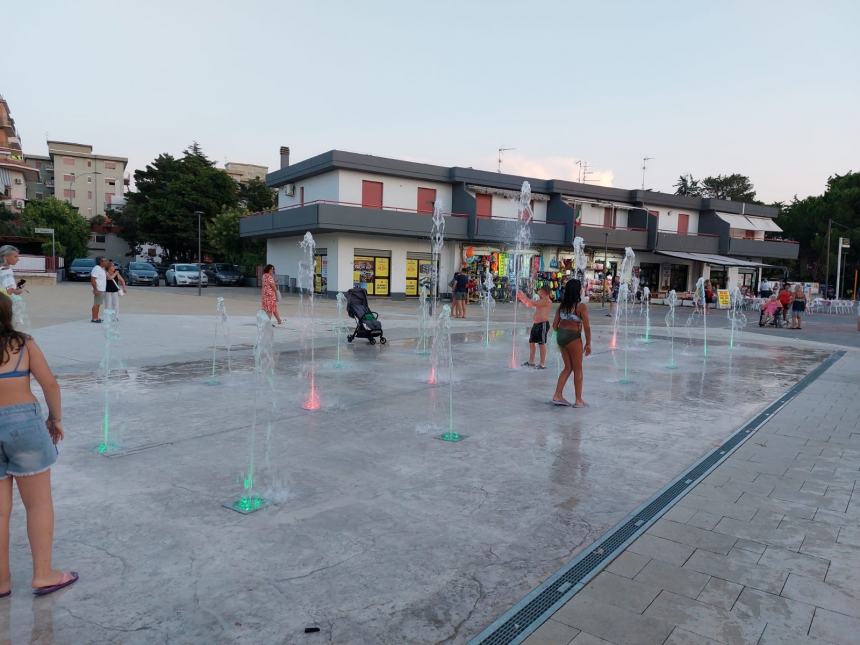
(382, 267)
(724, 301)
(411, 287)
(411, 268)
(381, 287)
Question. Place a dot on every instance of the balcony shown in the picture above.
(329, 216)
(695, 243)
(598, 236)
(504, 230)
(776, 249)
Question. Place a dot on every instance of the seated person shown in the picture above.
(769, 310)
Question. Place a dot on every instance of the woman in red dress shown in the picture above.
(270, 295)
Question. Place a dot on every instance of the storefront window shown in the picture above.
(649, 275)
(418, 271)
(678, 277)
(718, 278)
(321, 273)
(371, 273)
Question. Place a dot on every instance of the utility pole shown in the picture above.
(199, 256)
(827, 270)
(645, 161)
(501, 150)
(844, 243)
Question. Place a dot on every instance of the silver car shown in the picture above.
(184, 275)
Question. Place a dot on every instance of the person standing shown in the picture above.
(798, 306)
(460, 283)
(270, 294)
(98, 280)
(571, 319)
(785, 299)
(115, 286)
(540, 325)
(9, 257)
(765, 290)
(29, 451)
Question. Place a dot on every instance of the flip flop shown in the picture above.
(6, 595)
(560, 403)
(96, 321)
(44, 591)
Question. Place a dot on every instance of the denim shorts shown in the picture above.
(26, 447)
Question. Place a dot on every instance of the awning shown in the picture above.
(5, 178)
(749, 222)
(721, 260)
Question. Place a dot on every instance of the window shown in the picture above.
(302, 195)
(68, 194)
(371, 194)
(110, 182)
(89, 164)
(108, 198)
(608, 217)
(426, 200)
(749, 235)
(68, 177)
(68, 161)
(110, 165)
(89, 194)
(40, 195)
(678, 277)
(683, 223)
(483, 205)
(90, 179)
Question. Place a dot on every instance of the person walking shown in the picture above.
(798, 306)
(540, 325)
(9, 258)
(115, 287)
(98, 280)
(28, 452)
(270, 294)
(613, 295)
(571, 319)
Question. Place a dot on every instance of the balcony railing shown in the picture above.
(332, 202)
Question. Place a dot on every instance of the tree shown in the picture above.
(71, 230)
(735, 187)
(169, 192)
(805, 221)
(688, 186)
(256, 196)
(222, 236)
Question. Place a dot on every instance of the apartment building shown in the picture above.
(91, 183)
(14, 172)
(244, 172)
(371, 220)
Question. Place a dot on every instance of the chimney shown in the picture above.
(285, 156)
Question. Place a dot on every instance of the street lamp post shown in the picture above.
(830, 224)
(199, 256)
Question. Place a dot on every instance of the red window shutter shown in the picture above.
(683, 223)
(608, 217)
(483, 205)
(426, 200)
(371, 194)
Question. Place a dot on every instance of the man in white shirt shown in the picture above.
(98, 279)
(765, 290)
(8, 258)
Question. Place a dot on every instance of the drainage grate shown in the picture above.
(531, 611)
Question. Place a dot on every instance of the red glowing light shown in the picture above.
(313, 400)
(613, 344)
(432, 380)
(514, 363)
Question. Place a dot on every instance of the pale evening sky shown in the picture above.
(767, 88)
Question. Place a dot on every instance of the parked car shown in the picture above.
(184, 275)
(80, 269)
(221, 273)
(140, 273)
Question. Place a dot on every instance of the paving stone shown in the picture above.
(810, 528)
(706, 620)
(776, 537)
(743, 556)
(661, 549)
(749, 575)
(821, 594)
(800, 563)
(679, 513)
(683, 637)
(588, 639)
(849, 535)
(750, 545)
(775, 505)
(612, 623)
(774, 610)
(672, 578)
(774, 635)
(704, 520)
(744, 512)
(692, 536)
(720, 593)
(832, 550)
(835, 627)
(623, 592)
(628, 564)
(552, 633)
(835, 502)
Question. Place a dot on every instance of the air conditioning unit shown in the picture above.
(290, 190)
(19, 203)
(18, 181)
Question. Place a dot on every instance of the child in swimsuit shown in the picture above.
(540, 325)
(571, 319)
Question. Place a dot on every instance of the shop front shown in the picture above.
(321, 272)
(419, 269)
(371, 270)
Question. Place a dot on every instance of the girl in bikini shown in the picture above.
(571, 319)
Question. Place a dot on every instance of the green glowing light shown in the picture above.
(247, 504)
(672, 366)
(212, 381)
(451, 436)
(105, 447)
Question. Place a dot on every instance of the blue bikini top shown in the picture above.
(16, 373)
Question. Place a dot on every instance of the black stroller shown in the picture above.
(367, 326)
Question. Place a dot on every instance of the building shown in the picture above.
(242, 173)
(370, 217)
(14, 172)
(40, 185)
(89, 182)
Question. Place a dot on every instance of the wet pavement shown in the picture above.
(377, 531)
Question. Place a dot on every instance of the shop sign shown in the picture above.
(724, 301)
(412, 269)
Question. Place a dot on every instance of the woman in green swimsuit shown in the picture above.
(570, 319)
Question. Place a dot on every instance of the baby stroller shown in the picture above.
(367, 326)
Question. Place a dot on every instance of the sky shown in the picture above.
(766, 88)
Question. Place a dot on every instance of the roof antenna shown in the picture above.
(645, 161)
(501, 150)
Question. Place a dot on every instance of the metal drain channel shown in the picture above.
(528, 614)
